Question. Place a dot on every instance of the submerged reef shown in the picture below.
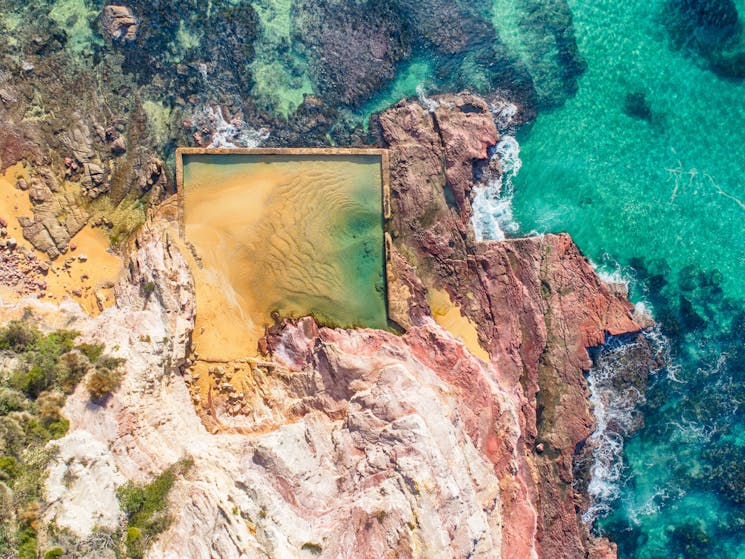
(711, 30)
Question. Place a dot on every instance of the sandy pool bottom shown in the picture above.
(294, 235)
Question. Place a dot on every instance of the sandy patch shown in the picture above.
(85, 275)
(449, 316)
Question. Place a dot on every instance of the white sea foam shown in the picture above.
(492, 203)
(228, 134)
(504, 113)
(616, 414)
(428, 102)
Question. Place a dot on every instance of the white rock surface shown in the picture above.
(376, 456)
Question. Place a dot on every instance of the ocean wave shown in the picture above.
(428, 102)
(492, 203)
(504, 113)
(615, 403)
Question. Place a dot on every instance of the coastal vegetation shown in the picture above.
(37, 372)
(146, 508)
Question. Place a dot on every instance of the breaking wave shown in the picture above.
(615, 398)
(228, 134)
(492, 204)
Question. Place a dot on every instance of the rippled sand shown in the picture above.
(297, 235)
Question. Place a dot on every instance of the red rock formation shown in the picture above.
(537, 305)
(363, 443)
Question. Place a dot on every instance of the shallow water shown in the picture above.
(294, 234)
(644, 168)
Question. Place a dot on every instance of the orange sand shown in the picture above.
(448, 315)
(101, 268)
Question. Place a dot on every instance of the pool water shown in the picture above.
(293, 234)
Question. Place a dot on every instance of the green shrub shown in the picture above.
(103, 382)
(8, 468)
(33, 381)
(71, 369)
(58, 429)
(134, 542)
(146, 508)
(314, 548)
(54, 553)
(27, 544)
(92, 351)
(12, 400)
(18, 335)
(50, 366)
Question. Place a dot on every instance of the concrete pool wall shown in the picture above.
(292, 231)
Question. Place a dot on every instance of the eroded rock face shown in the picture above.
(57, 217)
(536, 302)
(364, 443)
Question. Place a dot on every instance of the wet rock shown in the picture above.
(120, 23)
(353, 48)
(152, 175)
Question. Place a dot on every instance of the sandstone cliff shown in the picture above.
(360, 443)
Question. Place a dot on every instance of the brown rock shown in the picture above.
(118, 146)
(37, 235)
(467, 130)
(119, 23)
(38, 192)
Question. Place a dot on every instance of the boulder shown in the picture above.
(119, 23)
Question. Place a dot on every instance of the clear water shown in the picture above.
(637, 151)
(644, 167)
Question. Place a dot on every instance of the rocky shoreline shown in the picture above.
(360, 443)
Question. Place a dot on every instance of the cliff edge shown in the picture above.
(455, 437)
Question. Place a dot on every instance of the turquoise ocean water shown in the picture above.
(644, 167)
(637, 149)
